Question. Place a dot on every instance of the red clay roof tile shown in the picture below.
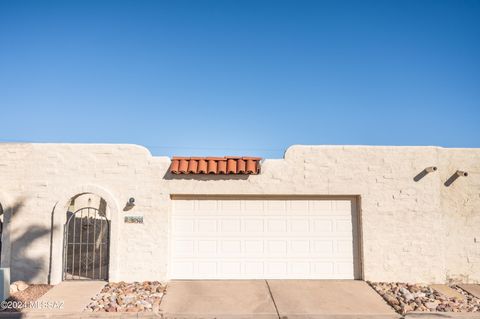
(215, 165)
(241, 166)
(202, 166)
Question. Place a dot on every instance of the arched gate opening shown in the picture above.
(86, 239)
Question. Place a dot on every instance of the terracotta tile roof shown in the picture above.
(215, 165)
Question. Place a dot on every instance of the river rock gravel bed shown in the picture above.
(405, 298)
(128, 297)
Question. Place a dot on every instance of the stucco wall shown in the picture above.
(411, 231)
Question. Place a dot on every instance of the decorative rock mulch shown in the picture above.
(128, 297)
(412, 297)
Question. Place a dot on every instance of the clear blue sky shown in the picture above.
(240, 77)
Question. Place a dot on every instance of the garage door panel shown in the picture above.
(277, 268)
(344, 247)
(252, 239)
(323, 268)
(344, 206)
(277, 248)
(231, 268)
(299, 248)
(206, 207)
(254, 268)
(183, 268)
(184, 248)
(300, 268)
(230, 226)
(207, 248)
(268, 269)
(184, 207)
(343, 268)
(299, 226)
(318, 207)
(183, 225)
(343, 226)
(322, 226)
(298, 206)
(254, 247)
(254, 226)
(207, 226)
(227, 206)
(230, 247)
(323, 248)
(276, 226)
(275, 207)
(253, 207)
(207, 268)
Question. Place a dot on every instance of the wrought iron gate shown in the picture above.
(86, 245)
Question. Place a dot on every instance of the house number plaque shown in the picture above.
(133, 219)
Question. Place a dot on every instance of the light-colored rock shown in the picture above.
(392, 300)
(426, 298)
(21, 285)
(432, 305)
(13, 288)
(447, 291)
(142, 296)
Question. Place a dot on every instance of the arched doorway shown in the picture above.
(86, 239)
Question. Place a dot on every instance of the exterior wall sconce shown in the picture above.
(130, 204)
(423, 173)
(456, 175)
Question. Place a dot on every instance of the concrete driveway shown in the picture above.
(313, 299)
(218, 299)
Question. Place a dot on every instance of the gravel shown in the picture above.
(31, 293)
(405, 298)
(128, 297)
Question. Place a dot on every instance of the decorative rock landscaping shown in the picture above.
(412, 297)
(128, 297)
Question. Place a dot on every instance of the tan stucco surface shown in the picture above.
(411, 231)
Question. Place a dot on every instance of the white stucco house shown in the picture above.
(115, 212)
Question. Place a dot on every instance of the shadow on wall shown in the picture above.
(6, 215)
(23, 265)
(204, 177)
(1, 230)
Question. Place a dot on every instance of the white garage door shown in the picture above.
(257, 238)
